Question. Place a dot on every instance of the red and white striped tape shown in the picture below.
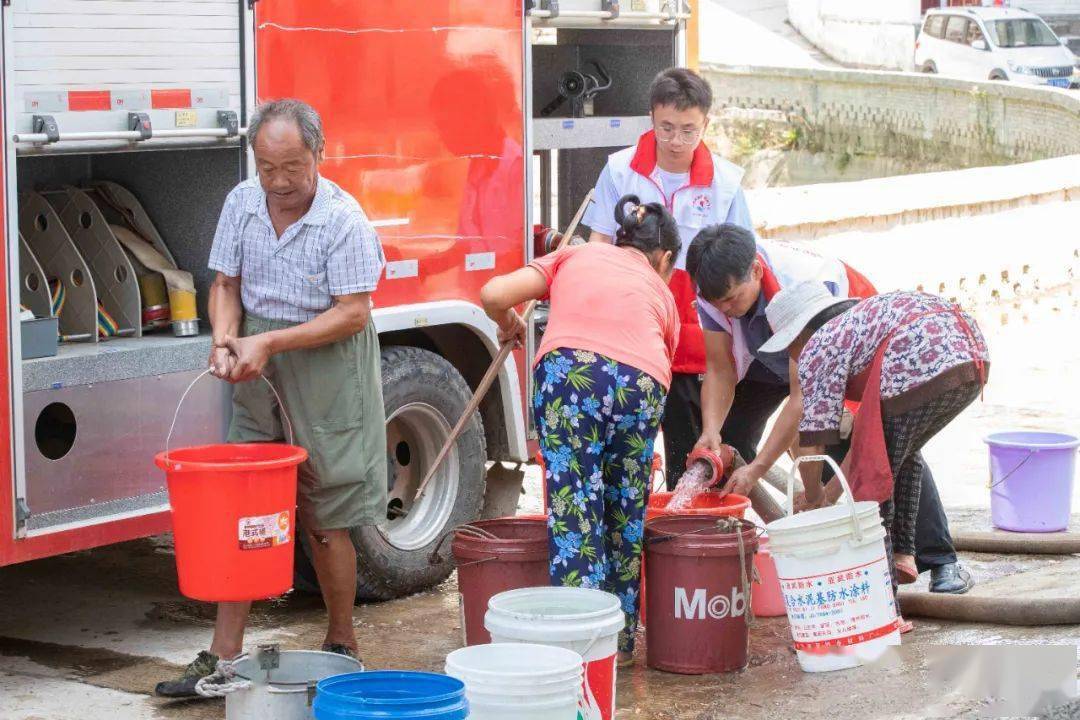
(134, 100)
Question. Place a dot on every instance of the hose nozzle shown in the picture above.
(717, 462)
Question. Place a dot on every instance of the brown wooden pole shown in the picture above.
(493, 370)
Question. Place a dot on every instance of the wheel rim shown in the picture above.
(414, 435)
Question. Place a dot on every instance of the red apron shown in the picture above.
(867, 465)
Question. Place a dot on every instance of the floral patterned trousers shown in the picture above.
(597, 420)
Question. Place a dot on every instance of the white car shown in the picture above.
(990, 43)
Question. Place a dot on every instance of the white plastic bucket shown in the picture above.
(579, 619)
(522, 709)
(835, 578)
(530, 682)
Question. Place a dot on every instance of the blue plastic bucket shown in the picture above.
(390, 695)
(1031, 480)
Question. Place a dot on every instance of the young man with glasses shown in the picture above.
(672, 165)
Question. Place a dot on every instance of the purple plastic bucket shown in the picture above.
(1031, 480)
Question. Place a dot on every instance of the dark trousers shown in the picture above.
(681, 424)
(905, 436)
(754, 403)
(933, 542)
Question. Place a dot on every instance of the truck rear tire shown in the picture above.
(424, 395)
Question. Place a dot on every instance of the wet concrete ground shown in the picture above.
(89, 634)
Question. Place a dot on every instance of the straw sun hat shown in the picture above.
(792, 308)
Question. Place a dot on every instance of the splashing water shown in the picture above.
(696, 480)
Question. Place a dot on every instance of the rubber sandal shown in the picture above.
(906, 574)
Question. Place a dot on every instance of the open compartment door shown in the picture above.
(10, 494)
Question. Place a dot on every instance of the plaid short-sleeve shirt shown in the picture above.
(332, 250)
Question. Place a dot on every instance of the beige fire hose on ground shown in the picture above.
(1003, 609)
(997, 610)
(1010, 543)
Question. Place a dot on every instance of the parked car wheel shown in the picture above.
(424, 395)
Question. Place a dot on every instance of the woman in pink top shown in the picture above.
(601, 376)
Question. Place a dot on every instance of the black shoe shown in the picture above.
(339, 649)
(952, 579)
(184, 687)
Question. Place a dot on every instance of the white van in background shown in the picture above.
(990, 43)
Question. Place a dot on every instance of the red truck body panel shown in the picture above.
(422, 104)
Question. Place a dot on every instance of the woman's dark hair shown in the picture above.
(719, 258)
(647, 227)
(825, 316)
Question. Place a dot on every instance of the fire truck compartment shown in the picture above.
(571, 141)
(82, 67)
(573, 137)
(94, 415)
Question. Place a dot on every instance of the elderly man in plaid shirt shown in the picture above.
(296, 262)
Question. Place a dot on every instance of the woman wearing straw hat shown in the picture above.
(914, 360)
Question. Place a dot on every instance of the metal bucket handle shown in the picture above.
(1022, 463)
(476, 532)
(855, 527)
(596, 635)
(176, 415)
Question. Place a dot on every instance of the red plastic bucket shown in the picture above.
(516, 557)
(233, 512)
(698, 595)
(768, 598)
(708, 504)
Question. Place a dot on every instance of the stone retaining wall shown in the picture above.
(951, 123)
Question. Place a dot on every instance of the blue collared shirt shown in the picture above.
(768, 367)
(333, 250)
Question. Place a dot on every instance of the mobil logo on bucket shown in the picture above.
(697, 605)
(698, 593)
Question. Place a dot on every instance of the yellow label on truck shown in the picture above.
(187, 118)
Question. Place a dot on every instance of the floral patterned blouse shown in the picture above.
(934, 347)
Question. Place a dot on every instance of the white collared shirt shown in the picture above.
(332, 250)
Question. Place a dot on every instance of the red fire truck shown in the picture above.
(457, 124)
